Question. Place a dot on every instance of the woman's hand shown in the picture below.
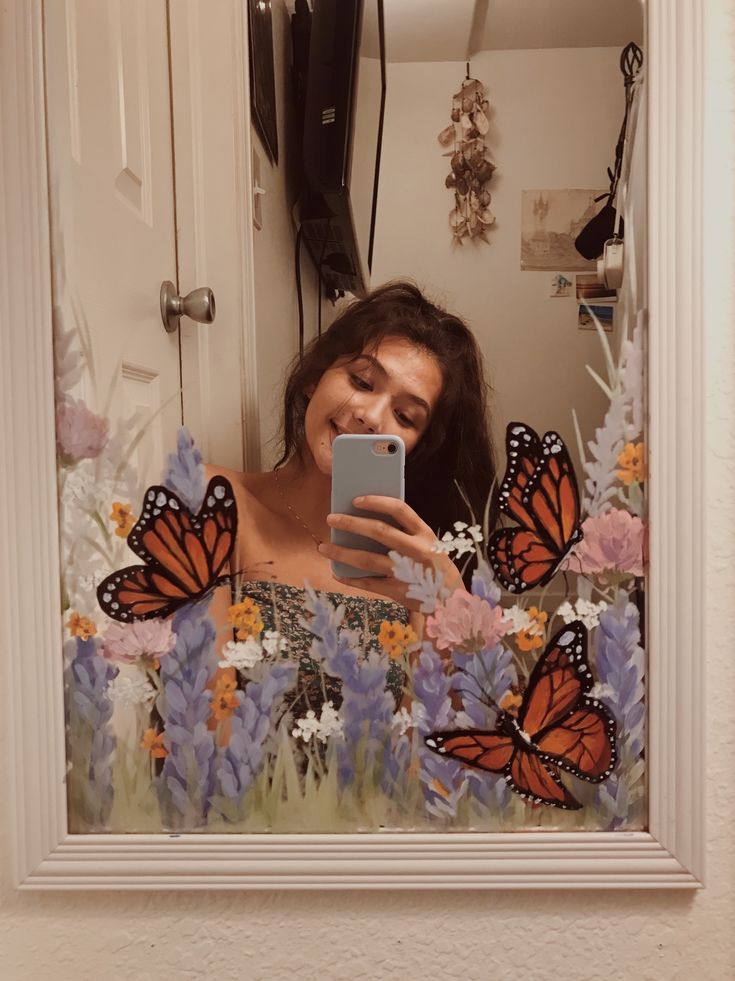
(414, 539)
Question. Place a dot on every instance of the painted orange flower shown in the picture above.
(122, 515)
(80, 626)
(245, 617)
(395, 638)
(632, 462)
(153, 742)
(511, 702)
(223, 685)
(532, 637)
(440, 789)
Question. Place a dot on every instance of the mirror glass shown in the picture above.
(476, 175)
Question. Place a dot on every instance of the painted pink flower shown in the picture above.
(465, 622)
(613, 542)
(80, 434)
(126, 643)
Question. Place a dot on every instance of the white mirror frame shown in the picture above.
(670, 855)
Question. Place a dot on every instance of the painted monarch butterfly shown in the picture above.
(558, 727)
(184, 555)
(539, 491)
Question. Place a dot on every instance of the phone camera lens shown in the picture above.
(391, 447)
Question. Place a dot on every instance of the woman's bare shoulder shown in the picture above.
(246, 485)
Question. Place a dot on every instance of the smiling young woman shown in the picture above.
(393, 363)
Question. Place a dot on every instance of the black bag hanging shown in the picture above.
(590, 242)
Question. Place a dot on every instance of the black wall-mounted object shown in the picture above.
(590, 242)
(262, 75)
(343, 125)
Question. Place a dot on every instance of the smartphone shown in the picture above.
(364, 464)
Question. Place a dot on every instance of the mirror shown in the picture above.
(247, 719)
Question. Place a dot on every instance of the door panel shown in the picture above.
(110, 145)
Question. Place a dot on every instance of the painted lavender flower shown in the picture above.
(367, 708)
(424, 583)
(484, 680)
(466, 622)
(128, 643)
(185, 471)
(620, 669)
(187, 779)
(444, 780)
(251, 724)
(80, 434)
(90, 737)
(613, 541)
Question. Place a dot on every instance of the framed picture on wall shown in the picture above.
(262, 74)
(502, 748)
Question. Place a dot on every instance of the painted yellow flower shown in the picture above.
(532, 637)
(153, 742)
(395, 638)
(632, 462)
(122, 515)
(80, 626)
(245, 617)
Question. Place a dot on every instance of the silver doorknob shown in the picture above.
(197, 305)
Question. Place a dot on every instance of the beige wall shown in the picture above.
(556, 117)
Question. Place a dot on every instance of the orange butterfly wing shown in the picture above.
(540, 492)
(184, 555)
(538, 781)
(559, 679)
(525, 772)
(558, 726)
(486, 750)
(583, 744)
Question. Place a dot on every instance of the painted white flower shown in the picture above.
(520, 619)
(328, 724)
(274, 643)
(402, 720)
(241, 654)
(601, 690)
(584, 610)
(88, 583)
(130, 691)
(461, 543)
(306, 727)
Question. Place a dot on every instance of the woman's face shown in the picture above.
(391, 389)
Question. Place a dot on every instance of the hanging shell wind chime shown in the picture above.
(470, 161)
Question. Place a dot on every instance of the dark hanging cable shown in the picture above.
(297, 262)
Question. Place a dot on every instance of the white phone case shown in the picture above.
(357, 469)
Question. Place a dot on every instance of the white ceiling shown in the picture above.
(445, 30)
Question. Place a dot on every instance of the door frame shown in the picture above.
(671, 853)
(187, 126)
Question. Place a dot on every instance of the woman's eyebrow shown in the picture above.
(373, 362)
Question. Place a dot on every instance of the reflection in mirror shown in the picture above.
(485, 670)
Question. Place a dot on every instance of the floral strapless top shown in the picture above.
(282, 607)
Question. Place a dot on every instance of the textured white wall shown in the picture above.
(622, 936)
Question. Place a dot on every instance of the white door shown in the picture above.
(121, 194)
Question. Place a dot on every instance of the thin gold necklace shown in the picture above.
(295, 513)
